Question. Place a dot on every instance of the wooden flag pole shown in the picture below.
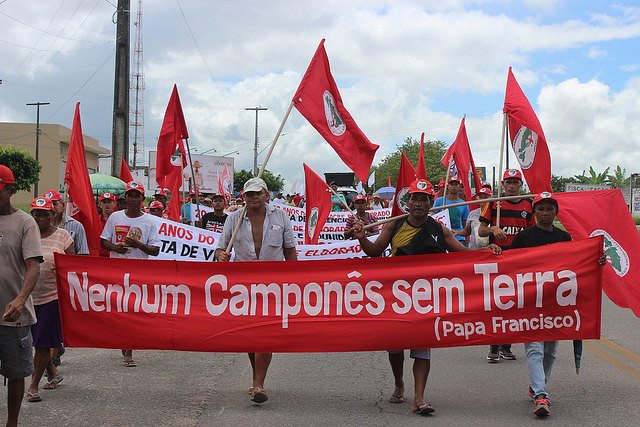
(260, 172)
(500, 172)
(452, 205)
(446, 182)
(343, 204)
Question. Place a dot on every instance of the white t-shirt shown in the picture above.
(143, 228)
(475, 241)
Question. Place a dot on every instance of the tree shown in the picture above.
(433, 152)
(558, 182)
(274, 183)
(593, 178)
(26, 169)
(618, 180)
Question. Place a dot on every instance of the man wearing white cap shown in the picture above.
(262, 223)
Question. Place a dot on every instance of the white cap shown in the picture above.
(255, 184)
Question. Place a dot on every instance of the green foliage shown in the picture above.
(26, 170)
(433, 152)
(636, 219)
(618, 180)
(274, 183)
(593, 178)
(558, 182)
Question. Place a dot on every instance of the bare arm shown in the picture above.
(147, 249)
(13, 310)
(290, 254)
(108, 245)
(455, 246)
(70, 250)
(376, 248)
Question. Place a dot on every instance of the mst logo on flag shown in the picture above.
(313, 222)
(524, 144)
(334, 121)
(616, 255)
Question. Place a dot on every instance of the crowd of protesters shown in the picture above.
(28, 291)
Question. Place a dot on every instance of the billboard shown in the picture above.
(207, 170)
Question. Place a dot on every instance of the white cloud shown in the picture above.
(595, 52)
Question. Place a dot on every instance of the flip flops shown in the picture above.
(424, 409)
(258, 395)
(53, 384)
(396, 398)
(34, 397)
(130, 363)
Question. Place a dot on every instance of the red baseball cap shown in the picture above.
(421, 186)
(512, 173)
(160, 192)
(53, 195)
(135, 186)
(6, 176)
(156, 205)
(545, 195)
(485, 190)
(441, 183)
(42, 203)
(108, 196)
(360, 197)
(454, 178)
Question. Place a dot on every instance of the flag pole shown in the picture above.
(193, 177)
(500, 172)
(446, 181)
(343, 204)
(260, 172)
(451, 205)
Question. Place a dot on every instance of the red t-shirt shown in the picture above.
(515, 216)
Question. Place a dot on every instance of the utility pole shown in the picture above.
(37, 104)
(255, 145)
(120, 129)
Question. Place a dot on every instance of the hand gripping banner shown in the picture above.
(534, 294)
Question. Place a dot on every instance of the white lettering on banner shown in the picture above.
(339, 298)
(505, 290)
(98, 297)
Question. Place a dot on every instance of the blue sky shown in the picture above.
(418, 66)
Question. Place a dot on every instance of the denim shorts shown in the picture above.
(16, 351)
(424, 353)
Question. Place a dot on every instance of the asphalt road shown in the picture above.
(343, 389)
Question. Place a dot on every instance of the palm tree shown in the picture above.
(618, 180)
(593, 178)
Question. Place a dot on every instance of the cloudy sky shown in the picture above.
(403, 67)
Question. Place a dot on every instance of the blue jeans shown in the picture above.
(540, 359)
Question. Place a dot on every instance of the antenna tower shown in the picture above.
(137, 86)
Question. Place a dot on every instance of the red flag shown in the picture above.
(406, 175)
(465, 167)
(225, 181)
(604, 212)
(319, 101)
(76, 178)
(388, 181)
(527, 138)
(317, 205)
(125, 172)
(171, 154)
(421, 169)
(175, 183)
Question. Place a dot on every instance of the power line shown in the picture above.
(53, 34)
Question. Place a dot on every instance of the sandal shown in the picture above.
(258, 395)
(397, 396)
(130, 363)
(53, 384)
(424, 409)
(34, 397)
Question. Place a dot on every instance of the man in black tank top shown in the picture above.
(415, 235)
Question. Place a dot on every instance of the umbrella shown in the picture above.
(386, 193)
(577, 354)
(101, 183)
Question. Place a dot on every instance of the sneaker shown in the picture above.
(506, 354)
(493, 356)
(530, 393)
(542, 406)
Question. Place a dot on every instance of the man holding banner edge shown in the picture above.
(417, 234)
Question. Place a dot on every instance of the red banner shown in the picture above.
(465, 298)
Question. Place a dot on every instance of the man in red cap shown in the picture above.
(155, 208)
(515, 216)
(360, 214)
(73, 227)
(131, 234)
(108, 203)
(457, 215)
(20, 258)
(414, 235)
